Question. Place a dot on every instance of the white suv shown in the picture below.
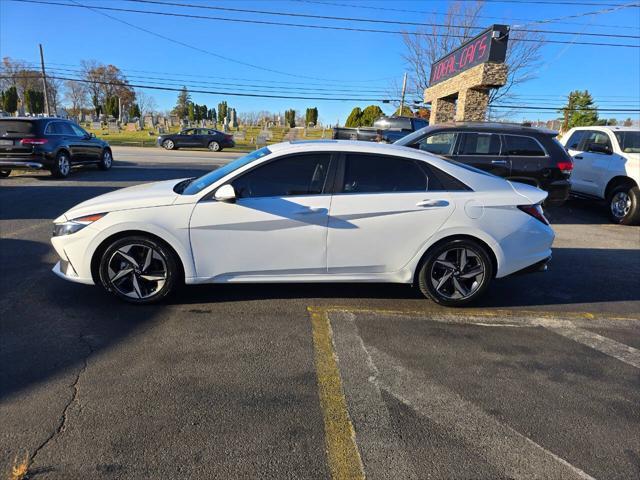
(607, 166)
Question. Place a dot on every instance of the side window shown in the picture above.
(76, 130)
(378, 173)
(574, 140)
(599, 138)
(294, 175)
(52, 129)
(440, 181)
(518, 146)
(479, 144)
(441, 143)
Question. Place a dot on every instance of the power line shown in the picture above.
(365, 20)
(557, 20)
(553, 2)
(297, 25)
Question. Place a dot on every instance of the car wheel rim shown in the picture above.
(457, 273)
(106, 160)
(621, 204)
(137, 271)
(214, 147)
(63, 165)
(169, 144)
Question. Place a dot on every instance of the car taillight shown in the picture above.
(535, 211)
(565, 167)
(33, 141)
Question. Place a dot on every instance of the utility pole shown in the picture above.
(404, 88)
(44, 82)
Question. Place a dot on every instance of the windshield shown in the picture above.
(198, 184)
(629, 141)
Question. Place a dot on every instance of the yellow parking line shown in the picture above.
(342, 452)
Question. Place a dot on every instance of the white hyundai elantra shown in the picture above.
(322, 211)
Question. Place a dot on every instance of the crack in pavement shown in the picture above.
(62, 423)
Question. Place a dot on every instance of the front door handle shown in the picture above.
(432, 203)
(499, 162)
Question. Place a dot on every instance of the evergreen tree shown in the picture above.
(311, 116)
(353, 120)
(580, 111)
(181, 110)
(134, 111)
(406, 112)
(222, 110)
(190, 111)
(290, 118)
(10, 101)
(34, 101)
(212, 116)
(370, 115)
(111, 106)
(204, 112)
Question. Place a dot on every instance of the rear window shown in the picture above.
(629, 141)
(15, 127)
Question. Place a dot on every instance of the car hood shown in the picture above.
(154, 194)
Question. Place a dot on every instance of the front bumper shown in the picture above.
(64, 269)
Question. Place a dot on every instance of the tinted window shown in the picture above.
(522, 146)
(295, 175)
(600, 138)
(15, 127)
(629, 141)
(376, 173)
(77, 130)
(441, 143)
(59, 128)
(480, 144)
(574, 140)
(418, 124)
(440, 181)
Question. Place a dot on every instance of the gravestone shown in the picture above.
(149, 121)
(160, 130)
(131, 127)
(96, 125)
(113, 127)
(240, 135)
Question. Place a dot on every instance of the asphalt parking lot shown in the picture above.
(540, 380)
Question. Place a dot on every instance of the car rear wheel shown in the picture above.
(624, 205)
(214, 146)
(138, 269)
(61, 165)
(5, 173)
(106, 160)
(455, 273)
(168, 144)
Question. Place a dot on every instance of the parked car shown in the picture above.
(607, 166)
(197, 138)
(52, 144)
(318, 211)
(515, 152)
(385, 129)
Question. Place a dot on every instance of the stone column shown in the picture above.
(442, 110)
(472, 105)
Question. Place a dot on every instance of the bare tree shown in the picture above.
(146, 103)
(76, 95)
(461, 23)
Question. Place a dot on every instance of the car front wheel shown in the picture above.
(624, 205)
(106, 160)
(168, 145)
(455, 273)
(138, 269)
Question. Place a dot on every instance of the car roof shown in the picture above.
(612, 128)
(491, 126)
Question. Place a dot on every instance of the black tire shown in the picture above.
(61, 167)
(106, 160)
(132, 286)
(5, 173)
(169, 144)
(624, 204)
(433, 270)
(214, 146)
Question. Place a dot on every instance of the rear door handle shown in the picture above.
(579, 157)
(499, 162)
(432, 203)
(311, 210)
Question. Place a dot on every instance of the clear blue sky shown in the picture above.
(344, 60)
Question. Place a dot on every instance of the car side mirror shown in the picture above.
(599, 148)
(92, 135)
(225, 193)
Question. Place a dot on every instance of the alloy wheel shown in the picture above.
(63, 165)
(107, 159)
(168, 144)
(621, 204)
(137, 271)
(457, 273)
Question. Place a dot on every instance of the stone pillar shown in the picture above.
(442, 110)
(472, 105)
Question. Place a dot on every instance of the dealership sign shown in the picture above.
(488, 46)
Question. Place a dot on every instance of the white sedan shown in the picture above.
(322, 211)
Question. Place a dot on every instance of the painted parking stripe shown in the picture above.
(342, 452)
(617, 350)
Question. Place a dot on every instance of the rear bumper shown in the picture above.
(558, 192)
(228, 144)
(540, 266)
(21, 164)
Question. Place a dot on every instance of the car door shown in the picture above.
(185, 138)
(382, 214)
(92, 150)
(527, 157)
(200, 137)
(590, 166)
(69, 138)
(276, 227)
(483, 150)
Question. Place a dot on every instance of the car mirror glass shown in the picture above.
(225, 193)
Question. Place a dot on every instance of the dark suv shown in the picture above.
(523, 154)
(53, 144)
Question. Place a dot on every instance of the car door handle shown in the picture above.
(432, 203)
(578, 157)
(499, 162)
(311, 210)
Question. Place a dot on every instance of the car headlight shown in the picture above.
(72, 226)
